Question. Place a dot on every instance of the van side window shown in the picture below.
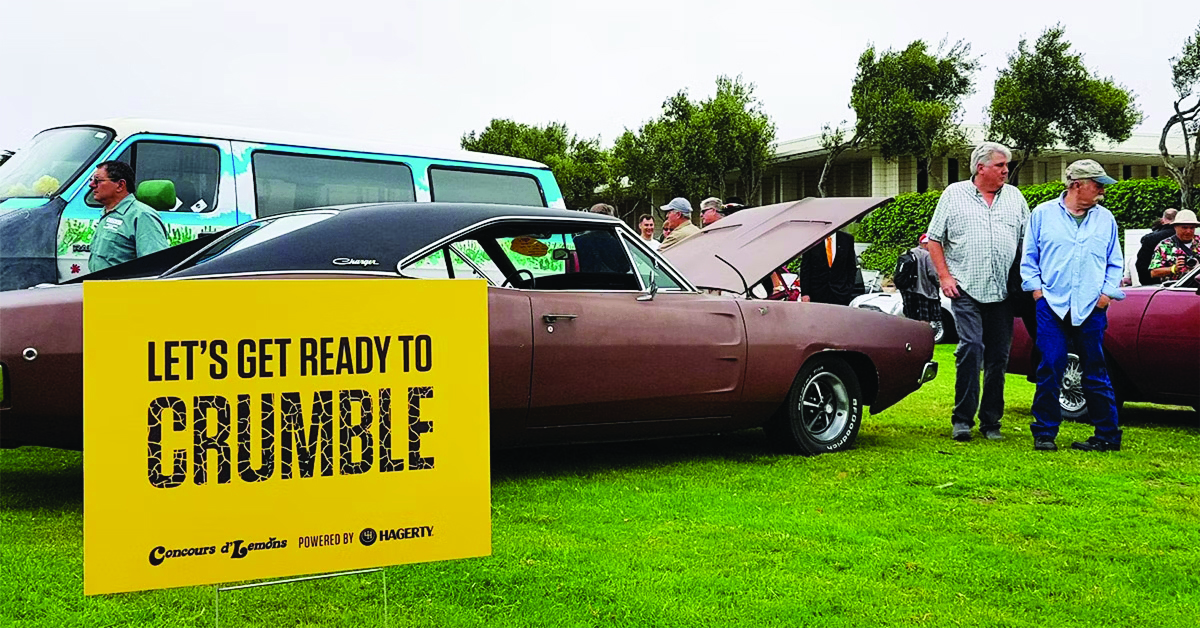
(286, 183)
(195, 170)
(457, 185)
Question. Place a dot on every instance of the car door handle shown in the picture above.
(550, 318)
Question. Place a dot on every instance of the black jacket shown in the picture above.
(823, 284)
(1150, 241)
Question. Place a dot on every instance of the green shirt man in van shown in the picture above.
(128, 229)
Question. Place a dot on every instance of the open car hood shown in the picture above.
(757, 241)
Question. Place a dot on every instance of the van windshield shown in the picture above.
(51, 161)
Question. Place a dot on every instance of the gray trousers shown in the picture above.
(984, 339)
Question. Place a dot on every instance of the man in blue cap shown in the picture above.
(1073, 265)
(679, 220)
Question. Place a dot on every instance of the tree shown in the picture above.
(741, 137)
(694, 148)
(579, 165)
(1046, 97)
(1185, 78)
(906, 102)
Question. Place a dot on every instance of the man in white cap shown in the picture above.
(679, 220)
(1177, 254)
(1073, 265)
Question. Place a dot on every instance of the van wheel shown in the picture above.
(824, 409)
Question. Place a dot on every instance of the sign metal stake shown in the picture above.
(217, 590)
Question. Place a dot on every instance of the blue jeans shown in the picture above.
(1054, 337)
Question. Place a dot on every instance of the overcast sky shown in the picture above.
(424, 73)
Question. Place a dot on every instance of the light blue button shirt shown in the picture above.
(1072, 264)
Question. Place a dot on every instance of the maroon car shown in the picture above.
(593, 335)
(1152, 345)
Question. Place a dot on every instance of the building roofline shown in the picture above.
(1142, 144)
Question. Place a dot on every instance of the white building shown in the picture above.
(796, 167)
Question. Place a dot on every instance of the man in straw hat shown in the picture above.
(1176, 255)
(1072, 264)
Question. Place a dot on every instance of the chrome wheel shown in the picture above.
(939, 331)
(824, 407)
(1070, 391)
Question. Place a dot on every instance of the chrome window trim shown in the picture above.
(1179, 286)
(665, 269)
(262, 273)
(621, 228)
(449, 239)
(464, 258)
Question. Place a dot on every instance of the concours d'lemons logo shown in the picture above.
(367, 536)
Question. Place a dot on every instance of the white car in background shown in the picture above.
(892, 303)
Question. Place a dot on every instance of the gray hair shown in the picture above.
(983, 154)
(1169, 216)
(602, 208)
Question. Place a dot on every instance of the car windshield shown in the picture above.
(51, 161)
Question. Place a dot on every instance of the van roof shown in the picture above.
(124, 127)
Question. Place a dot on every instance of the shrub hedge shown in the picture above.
(895, 227)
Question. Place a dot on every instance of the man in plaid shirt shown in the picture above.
(973, 240)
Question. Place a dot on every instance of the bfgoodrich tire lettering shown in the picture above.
(824, 409)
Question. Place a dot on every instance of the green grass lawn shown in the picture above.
(908, 529)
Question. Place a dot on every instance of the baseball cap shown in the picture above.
(678, 204)
(1088, 169)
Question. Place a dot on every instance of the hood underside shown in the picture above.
(757, 241)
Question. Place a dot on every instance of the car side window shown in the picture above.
(195, 169)
(288, 182)
(646, 266)
(580, 259)
(461, 266)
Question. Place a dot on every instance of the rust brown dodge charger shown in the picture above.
(593, 335)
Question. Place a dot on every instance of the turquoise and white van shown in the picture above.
(224, 176)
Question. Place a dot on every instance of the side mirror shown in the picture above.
(560, 255)
(653, 284)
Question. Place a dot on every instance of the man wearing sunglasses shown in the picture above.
(128, 228)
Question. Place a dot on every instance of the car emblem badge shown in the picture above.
(350, 261)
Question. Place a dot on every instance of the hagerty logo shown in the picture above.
(368, 536)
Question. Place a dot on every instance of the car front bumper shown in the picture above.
(929, 372)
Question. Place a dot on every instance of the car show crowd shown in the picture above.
(1057, 267)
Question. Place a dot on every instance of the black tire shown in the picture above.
(824, 409)
(949, 332)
